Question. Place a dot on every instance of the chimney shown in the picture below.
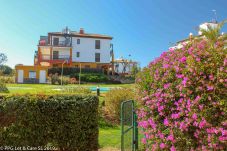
(81, 31)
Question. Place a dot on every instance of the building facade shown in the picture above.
(74, 49)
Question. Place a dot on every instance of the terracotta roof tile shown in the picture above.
(88, 35)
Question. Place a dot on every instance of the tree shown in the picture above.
(212, 34)
(3, 58)
(135, 70)
(6, 70)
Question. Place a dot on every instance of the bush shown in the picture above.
(113, 100)
(68, 122)
(73, 70)
(182, 96)
(56, 79)
(7, 79)
(65, 80)
(3, 88)
(90, 77)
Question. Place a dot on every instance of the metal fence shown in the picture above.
(129, 131)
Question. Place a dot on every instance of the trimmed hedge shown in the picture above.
(91, 77)
(68, 122)
(72, 70)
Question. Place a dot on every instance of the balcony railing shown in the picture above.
(55, 57)
(64, 43)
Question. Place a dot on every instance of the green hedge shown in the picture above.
(91, 77)
(66, 122)
(72, 70)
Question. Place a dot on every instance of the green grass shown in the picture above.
(110, 137)
(45, 88)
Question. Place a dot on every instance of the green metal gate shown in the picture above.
(129, 131)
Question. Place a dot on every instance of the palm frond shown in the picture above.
(212, 33)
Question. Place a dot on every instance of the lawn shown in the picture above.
(110, 137)
(45, 88)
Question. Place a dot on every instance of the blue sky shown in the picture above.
(142, 28)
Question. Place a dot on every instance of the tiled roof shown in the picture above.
(87, 35)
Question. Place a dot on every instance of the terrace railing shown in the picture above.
(64, 43)
(55, 57)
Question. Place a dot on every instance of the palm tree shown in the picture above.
(213, 33)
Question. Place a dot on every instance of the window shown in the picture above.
(32, 75)
(56, 41)
(87, 66)
(55, 55)
(77, 66)
(97, 44)
(77, 54)
(97, 57)
(78, 41)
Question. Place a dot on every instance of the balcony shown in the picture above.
(55, 58)
(65, 43)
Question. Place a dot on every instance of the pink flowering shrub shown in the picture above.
(183, 98)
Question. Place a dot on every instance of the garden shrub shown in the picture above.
(72, 70)
(113, 100)
(56, 79)
(90, 77)
(69, 122)
(3, 88)
(183, 98)
(65, 80)
(7, 79)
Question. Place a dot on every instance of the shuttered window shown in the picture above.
(97, 57)
(97, 44)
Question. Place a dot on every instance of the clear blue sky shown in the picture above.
(142, 28)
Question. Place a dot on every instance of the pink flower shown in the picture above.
(202, 123)
(160, 108)
(194, 116)
(144, 141)
(183, 59)
(143, 124)
(184, 81)
(179, 75)
(198, 59)
(211, 77)
(166, 86)
(161, 135)
(222, 138)
(166, 66)
(162, 145)
(183, 126)
(166, 122)
(175, 116)
(172, 148)
(201, 106)
(152, 123)
(170, 137)
(210, 88)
